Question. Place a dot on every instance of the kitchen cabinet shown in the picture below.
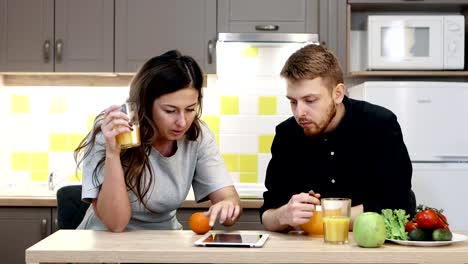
(249, 220)
(357, 12)
(56, 36)
(292, 16)
(21, 227)
(332, 28)
(147, 28)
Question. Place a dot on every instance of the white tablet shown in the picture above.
(220, 239)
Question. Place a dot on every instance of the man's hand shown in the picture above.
(298, 210)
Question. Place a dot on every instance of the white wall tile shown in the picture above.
(235, 143)
(228, 143)
(263, 160)
(248, 105)
(211, 101)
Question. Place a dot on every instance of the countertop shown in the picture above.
(151, 246)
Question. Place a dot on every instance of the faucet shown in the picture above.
(56, 178)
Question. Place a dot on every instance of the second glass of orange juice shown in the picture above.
(336, 217)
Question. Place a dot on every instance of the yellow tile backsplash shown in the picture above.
(58, 105)
(267, 105)
(232, 162)
(39, 161)
(65, 142)
(264, 143)
(249, 52)
(213, 123)
(246, 177)
(229, 105)
(20, 161)
(20, 104)
(90, 122)
(73, 140)
(248, 163)
(244, 145)
(58, 142)
(39, 176)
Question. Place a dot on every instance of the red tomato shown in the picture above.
(427, 219)
(410, 226)
(442, 222)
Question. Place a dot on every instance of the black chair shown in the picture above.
(70, 208)
(412, 199)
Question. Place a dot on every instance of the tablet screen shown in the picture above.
(232, 239)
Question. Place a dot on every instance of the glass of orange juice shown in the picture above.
(336, 217)
(315, 225)
(130, 139)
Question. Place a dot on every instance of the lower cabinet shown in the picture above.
(20, 228)
(249, 220)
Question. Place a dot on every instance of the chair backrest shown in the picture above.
(412, 199)
(70, 208)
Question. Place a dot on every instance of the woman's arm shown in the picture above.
(112, 205)
(226, 206)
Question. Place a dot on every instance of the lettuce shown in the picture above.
(395, 221)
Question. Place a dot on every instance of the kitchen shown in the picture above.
(81, 77)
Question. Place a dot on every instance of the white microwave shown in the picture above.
(416, 42)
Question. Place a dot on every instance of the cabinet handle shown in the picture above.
(323, 43)
(59, 50)
(267, 27)
(210, 51)
(44, 228)
(46, 51)
(56, 224)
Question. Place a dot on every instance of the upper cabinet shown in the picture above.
(147, 28)
(292, 16)
(332, 28)
(56, 36)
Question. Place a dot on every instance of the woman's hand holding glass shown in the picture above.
(115, 122)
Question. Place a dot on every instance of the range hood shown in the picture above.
(269, 37)
(253, 55)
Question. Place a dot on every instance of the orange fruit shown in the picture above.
(199, 223)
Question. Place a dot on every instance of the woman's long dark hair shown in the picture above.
(160, 75)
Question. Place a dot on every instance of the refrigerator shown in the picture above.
(434, 120)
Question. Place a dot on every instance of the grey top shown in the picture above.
(196, 163)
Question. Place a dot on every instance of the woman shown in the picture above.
(142, 187)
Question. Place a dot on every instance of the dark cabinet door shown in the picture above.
(244, 16)
(147, 28)
(20, 228)
(333, 26)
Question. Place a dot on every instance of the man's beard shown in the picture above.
(318, 129)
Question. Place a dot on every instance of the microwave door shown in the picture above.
(404, 42)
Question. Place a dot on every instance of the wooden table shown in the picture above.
(84, 246)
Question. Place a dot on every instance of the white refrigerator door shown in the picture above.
(432, 115)
(444, 186)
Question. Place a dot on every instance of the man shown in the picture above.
(334, 146)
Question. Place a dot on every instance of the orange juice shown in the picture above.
(315, 224)
(129, 139)
(336, 229)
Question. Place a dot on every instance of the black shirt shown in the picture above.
(364, 159)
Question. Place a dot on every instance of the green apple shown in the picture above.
(369, 230)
